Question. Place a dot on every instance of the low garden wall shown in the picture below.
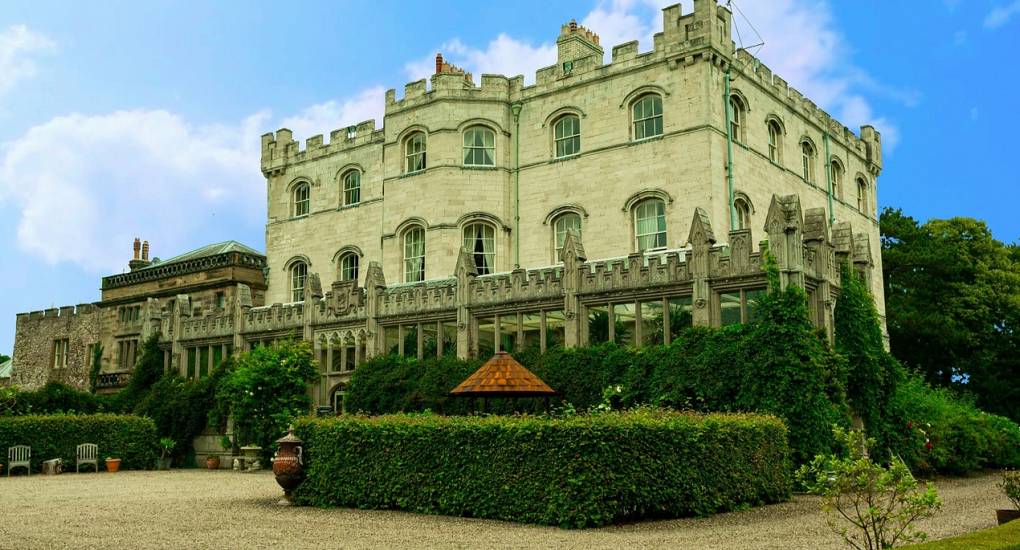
(129, 438)
(580, 471)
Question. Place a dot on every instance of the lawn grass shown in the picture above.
(1003, 537)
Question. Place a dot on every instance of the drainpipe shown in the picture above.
(828, 175)
(729, 150)
(515, 108)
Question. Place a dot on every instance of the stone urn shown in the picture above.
(251, 458)
(287, 464)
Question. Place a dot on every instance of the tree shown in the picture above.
(953, 306)
(4, 358)
(870, 506)
(267, 389)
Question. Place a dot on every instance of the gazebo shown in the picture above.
(502, 376)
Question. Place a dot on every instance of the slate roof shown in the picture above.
(503, 376)
(205, 252)
(7, 368)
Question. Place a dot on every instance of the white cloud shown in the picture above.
(18, 45)
(1000, 15)
(87, 185)
(503, 55)
(325, 117)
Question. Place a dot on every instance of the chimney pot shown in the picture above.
(137, 246)
(145, 250)
(439, 63)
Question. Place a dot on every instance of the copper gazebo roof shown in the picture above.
(502, 376)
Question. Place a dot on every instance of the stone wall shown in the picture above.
(35, 334)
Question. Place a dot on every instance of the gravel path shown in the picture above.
(203, 509)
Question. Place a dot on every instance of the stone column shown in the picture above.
(465, 274)
(701, 239)
(573, 277)
(375, 283)
(242, 305)
(816, 241)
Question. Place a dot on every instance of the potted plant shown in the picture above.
(212, 462)
(112, 464)
(166, 446)
(1011, 486)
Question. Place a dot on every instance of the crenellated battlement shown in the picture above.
(62, 312)
(280, 148)
(868, 144)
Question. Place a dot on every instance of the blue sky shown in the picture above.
(123, 119)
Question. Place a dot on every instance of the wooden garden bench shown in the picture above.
(86, 453)
(19, 455)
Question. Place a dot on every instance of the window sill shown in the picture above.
(482, 167)
(349, 206)
(411, 174)
(301, 217)
(646, 139)
(564, 158)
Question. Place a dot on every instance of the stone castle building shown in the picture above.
(607, 201)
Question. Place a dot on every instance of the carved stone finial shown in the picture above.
(784, 215)
(701, 229)
(816, 225)
(374, 278)
(244, 295)
(465, 264)
(313, 287)
(573, 248)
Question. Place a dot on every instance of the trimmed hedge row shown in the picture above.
(130, 438)
(580, 471)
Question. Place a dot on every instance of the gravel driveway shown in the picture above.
(225, 509)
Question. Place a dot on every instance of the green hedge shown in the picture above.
(130, 438)
(579, 471)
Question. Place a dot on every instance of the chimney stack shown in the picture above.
(145, 251)
(137, 247)
(439, 63)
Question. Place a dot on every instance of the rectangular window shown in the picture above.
(681, 315)
(391, 340)
(203, 362)
(192, 362)
(555, 329)
(351, 356)
(729, 308)
(508, 332)
(598, 324)
(336, 356)
(751, 303)
(221, 300)
(217, 356)
(624, 317)
(652, 328)
(60, 348)
(531, 331)
(449, 334)
(568, 136)
(479, 147)
(430, 340)
(410, 340)
(486, 337)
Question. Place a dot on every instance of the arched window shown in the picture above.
(736, 118)
(743, 210)
(348, 267)
(807, 155)
(650, 224)
(480, 240)
(836, 178)
(479, 147)
(566, 221)
(775, 142)
(862, 195)
(414, 152)
(302, 199)
(647, 116)
(414, 255)
(567, 136)
(298, 276)
(352, 188)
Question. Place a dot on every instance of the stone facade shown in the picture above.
(478, 181)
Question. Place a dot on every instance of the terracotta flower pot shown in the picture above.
(212, 462)
(1006, 516)
(112, 465)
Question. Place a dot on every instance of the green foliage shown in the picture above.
(953, 306)
(937, 431)
(130, 438)
(148, 370)
(55, 397)
(873, 374)
(1010, 485)
(870, 506)
(267, 389)
(1003, 537)
(579, 471)
(777, 365)
(97, 365)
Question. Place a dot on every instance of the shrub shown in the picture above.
(1010, 485)
(55, 397)
(938, 431)
(130, 438)
(870, 506)
(266, 390)
(578, 471)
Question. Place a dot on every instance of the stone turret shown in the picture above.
(577, 43)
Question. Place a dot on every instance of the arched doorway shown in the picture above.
(337, 399)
